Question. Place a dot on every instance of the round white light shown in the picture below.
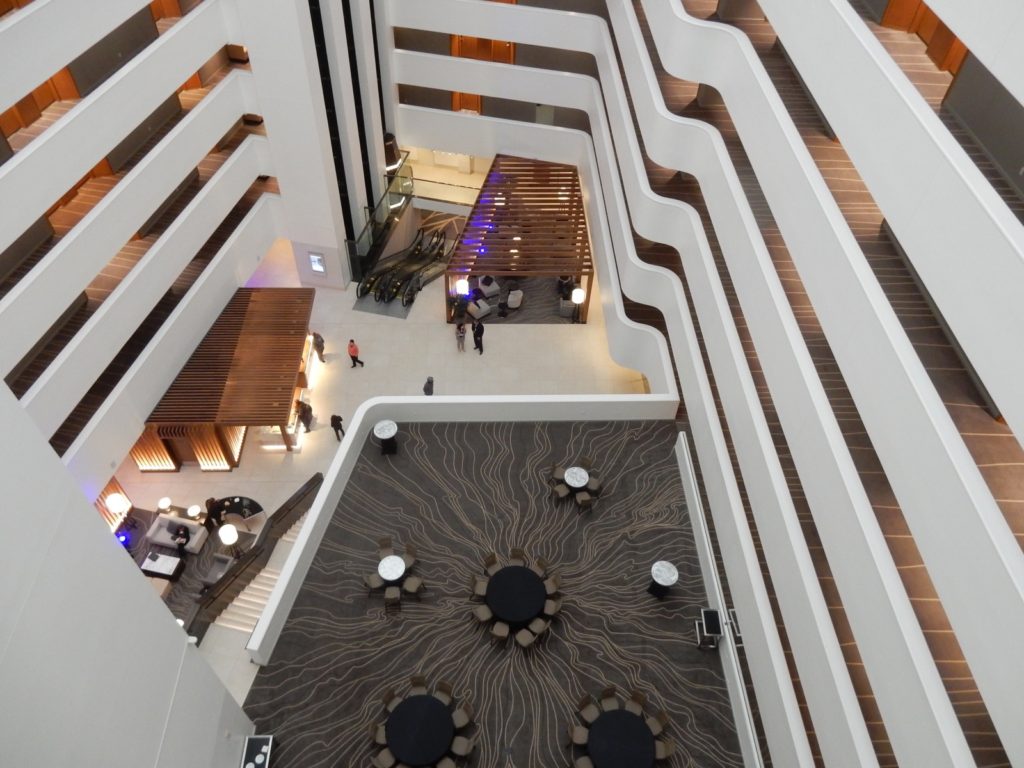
(164, 504)
(118, 504)
(228, 534)
(193, 511)
(578, 295)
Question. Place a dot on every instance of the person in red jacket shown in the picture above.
(353, 352)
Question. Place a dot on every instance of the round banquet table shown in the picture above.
(420, 731)
(515, 594)
(620, 739)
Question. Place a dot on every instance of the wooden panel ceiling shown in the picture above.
(527, 220)
(245, 370)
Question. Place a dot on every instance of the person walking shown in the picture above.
(305, 414)
(318, 345)
(460, 336)
(478, 336)
(428, 388)
(353, 353)
(339, 431)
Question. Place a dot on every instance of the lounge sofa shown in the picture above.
(161, 532)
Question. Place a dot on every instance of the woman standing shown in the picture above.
(460, 336)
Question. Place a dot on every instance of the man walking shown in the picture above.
(478, 336)
(353, 353)
(339, 431)
(318, 345)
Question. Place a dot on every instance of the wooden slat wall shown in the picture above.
(527, 220)
(209, 450)
(233, 438)
(151, 454)
(244, 371)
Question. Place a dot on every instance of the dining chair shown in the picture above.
(517, 556)
(540, 567)
(658, 722)
(491, 564)
(483, 613)
(499, 631)
(587, 709)
(552, 584)
(584, 501)
(378, 735)
(461, 746)
(413, 586)
(583, 762)
(393, 597)
(578, 735)
(552, 606)
(609, 698)
(664, 749)
(417, 685)
(384, 759)
(372, 581)
(462, 716)
(539, 626)
(559, 490)
(478, 586)
(557, 472)
(409, 556)
(635, 703)
(587, 463)
(446, 762)
(443, 692)
(525, 638)
(390, 699)
(594, 485)
(384, 547)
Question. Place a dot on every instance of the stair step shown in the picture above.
(244, 626)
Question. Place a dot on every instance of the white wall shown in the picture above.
(279, 37)
(991, 32)
(35, 178)
(69, 27)
(58, 391)
(113, 430)
(94, 670)
(953, 517)
(43, 294)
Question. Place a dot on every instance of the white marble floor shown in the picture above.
(399, 355)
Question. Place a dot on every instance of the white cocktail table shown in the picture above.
(577, 478)
(391, 568)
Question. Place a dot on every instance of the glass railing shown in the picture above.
(397, 194)
(443, 191)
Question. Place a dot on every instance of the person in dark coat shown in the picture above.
(428, 388)
(339, 431)
(318, 345)
(181, 539)
(305, 413)
(478, 336)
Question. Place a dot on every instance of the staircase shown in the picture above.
(246, 609)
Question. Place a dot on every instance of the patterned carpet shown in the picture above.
(457, 492)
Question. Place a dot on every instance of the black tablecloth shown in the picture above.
(620, 739)
(516, 595)
(420, 731)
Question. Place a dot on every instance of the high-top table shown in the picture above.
(385, 431)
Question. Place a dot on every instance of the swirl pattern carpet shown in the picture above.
(458, 492)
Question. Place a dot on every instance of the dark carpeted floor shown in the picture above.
(459, 491)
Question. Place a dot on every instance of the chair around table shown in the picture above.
(587, 709)
(539, 626)
(373, 581)
(664, 749)
(500, 631)
(583, 762)
(417, 685)
(540, 567)
(557, 472)
(587, 463)
(390, 699)
(578, 735)
(517, 556)
(477, 586)
(384, 759)
(552, 606)
(413, 586)
(443, 692)
(559, 490)
(594, 485)
(392, 597)
(609, 699)
(584, 500)
(491, 564)
(462, 746)
(378, 735)
(462, 716)
(658, 722)
(409, 556)
(483, 614)
(525, 638)
(635, 703)
(552, 584)
(384, 547)
(446, 762)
